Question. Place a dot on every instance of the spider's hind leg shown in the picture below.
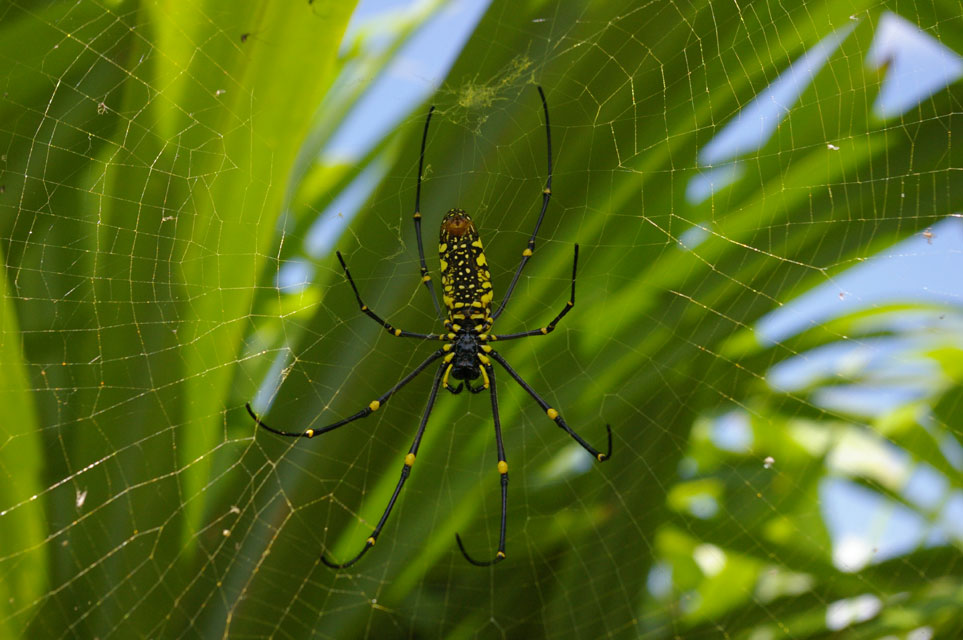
(503, 473)
(553, 414)
(405, 471)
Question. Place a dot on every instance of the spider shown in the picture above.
(467, 354)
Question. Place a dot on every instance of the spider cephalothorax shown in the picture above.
(466, 361)
(466, 355)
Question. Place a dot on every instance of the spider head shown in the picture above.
(465, 371)
(464, 365)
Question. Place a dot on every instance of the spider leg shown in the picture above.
(425, 277)
(405, 470)
(552, 413)
(455, 390)
(374, 316)
(373, 406)
(546, 195)
(551, 325)
(503, 472)
(477, 389)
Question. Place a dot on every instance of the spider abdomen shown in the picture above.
(465, 279)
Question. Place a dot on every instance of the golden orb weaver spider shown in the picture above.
(466, 354)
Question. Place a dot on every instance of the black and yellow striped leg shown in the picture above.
(552, 413)
(503, 472)
(551, 325)
(405, 470)
(425, 276)
(546, 196)
(374, 316)
(454, 390)
(373, 406)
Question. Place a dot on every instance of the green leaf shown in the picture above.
(25, 560)
(161, 167)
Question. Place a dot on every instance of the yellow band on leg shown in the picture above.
(484, 376)
(444, 378)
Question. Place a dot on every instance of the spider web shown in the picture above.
(768, 314)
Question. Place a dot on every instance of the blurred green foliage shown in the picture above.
(159, 169)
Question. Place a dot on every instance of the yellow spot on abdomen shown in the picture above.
(502, 467)
(527, 252)
(371, 541)
(552, 413)
(375, 405)
(309, 433)
(409, 459)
